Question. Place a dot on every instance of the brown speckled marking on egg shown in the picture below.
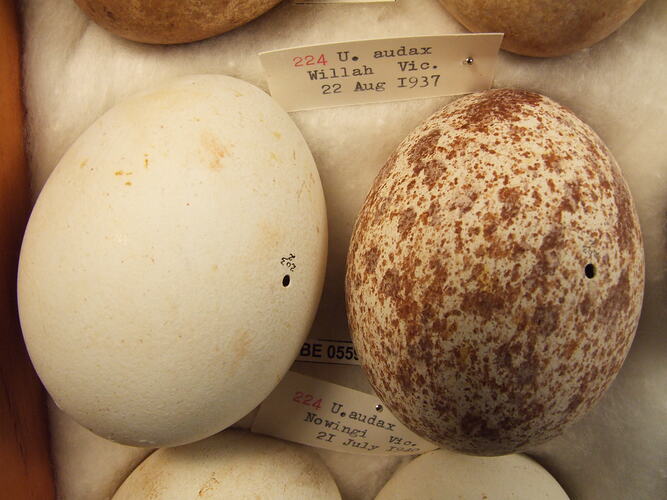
(466, 288)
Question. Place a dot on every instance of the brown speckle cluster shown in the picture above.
(467, 294)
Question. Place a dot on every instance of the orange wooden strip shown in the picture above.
(25, 470)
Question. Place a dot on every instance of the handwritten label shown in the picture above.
(335, 352)
(390, 69)
(317, 413)
(289, 262)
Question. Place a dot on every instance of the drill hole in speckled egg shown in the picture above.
(459, 331)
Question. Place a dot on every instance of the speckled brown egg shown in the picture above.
(495, 274)
(173, 21)
(544, 28)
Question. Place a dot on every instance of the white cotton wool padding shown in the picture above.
(86, 465)
(360, 477)
(74, 71)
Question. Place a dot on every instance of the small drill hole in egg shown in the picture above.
(286, 280)
(590, 271)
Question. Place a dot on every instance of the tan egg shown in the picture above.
(173, 21)
(495, 274)
(544, 28)
(233, 465)
(443, 475)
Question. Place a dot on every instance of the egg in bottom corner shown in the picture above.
(445, 475)
(231, 465)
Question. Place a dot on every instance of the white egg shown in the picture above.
(174, 261)
(232, 465)
(443, 475)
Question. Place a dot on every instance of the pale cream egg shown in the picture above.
(444, 475)
(174, 262)
(233, 465)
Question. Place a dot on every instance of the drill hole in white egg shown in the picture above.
(286, 280)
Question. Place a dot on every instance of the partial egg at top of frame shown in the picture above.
(173, 21)
(544, 28)
(495, 274)
(232, 465)
(173, 263)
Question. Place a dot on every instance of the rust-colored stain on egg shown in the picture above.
(468, 292)
(209, 486)
(212, 144)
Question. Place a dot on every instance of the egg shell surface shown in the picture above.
(174, 261)
(495, 273)
(173, 21)
(441, 474)
(547, 28)
(232, 465)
